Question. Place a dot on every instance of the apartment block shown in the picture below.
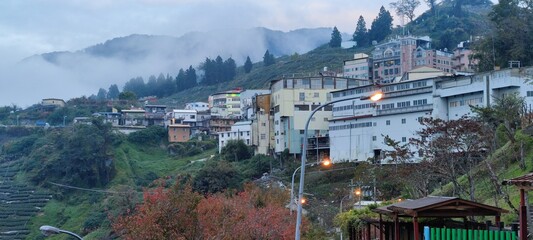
(359, 67)
(239, 131)
(358, 126)
(226, 104)
(262, 128)
(293, 99)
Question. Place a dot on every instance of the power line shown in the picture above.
(89, 190)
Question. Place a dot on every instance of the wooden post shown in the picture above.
(396, 227)
(415, 229)
(368, 231)
(380, 227)
(523, 215)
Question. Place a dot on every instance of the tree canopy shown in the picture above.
(361, 33)
(336, 38)
(381, 26)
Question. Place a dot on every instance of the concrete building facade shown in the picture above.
(293, 99)
(239, 131)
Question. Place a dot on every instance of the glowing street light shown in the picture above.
(376, 96)
(326, 162)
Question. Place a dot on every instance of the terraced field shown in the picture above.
(18, 202)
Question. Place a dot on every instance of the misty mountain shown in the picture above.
(77, 73)
(192, 48)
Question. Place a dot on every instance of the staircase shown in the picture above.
(18, 202)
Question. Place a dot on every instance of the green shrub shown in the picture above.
(151, 135)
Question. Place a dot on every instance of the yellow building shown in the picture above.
(293, 100)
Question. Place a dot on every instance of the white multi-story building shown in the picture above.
(239, 131)
(226, 104)
(197, 120)
(198, 106)
(454, 95)
(358, 127)
(359, 67)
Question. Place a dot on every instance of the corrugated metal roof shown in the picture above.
(438, 206)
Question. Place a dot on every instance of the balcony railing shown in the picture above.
(419, 108)
(320, 146)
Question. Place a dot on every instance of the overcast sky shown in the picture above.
(29, 27)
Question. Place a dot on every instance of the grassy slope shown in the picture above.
(505, 163)
(133, 164)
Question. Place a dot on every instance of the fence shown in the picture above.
(467, 234)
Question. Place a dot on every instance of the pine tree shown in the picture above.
(180, 81)
(336, 38)
(113, 92)
(381, 26)
(102, 94)
(361, 33)
(230, 69)
(248, 65)
(190, 77)
(268, 59)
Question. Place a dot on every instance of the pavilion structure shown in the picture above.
(524, 183)
(432, 207)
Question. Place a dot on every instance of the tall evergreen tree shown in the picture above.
(336, 38)
(209, 68)
(180, 81)
(151, 86)
(102, 94)
(361, 33)
(230, 69)
(190, 77)
(137, 86)
(219, 70)
(268, 58)
(248, 65)
(381, 26)
(113, 92)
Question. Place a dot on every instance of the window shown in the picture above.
(302, 131)
(263, 136)
(301, 107)
(316, 95)
(247, 141)
(454, 104)
(387, 106)
(387, 122)
(420, 119)
(247, 133)
(403, 121)
(420, 102)
(263, 124)
(403, 104)
(530, 93)
(404, 139)
(302, 96)
(374, 138)
(242, 134)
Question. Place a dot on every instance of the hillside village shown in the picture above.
(416, 80)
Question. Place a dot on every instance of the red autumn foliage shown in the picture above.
(179, 213)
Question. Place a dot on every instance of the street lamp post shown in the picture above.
(340, 208)
(374, 98)
(326, 162)
(49, 230)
